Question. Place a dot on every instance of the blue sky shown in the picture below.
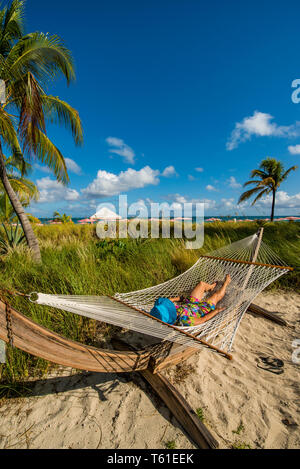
(165, 87)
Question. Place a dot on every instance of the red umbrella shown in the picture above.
(86, 220)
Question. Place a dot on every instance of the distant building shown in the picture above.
(105, 214)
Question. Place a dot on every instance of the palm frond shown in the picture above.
(6, 209)
(31, 114)
(259, 196)
(12, 25)
(258, 173)
(60, 112)
(8, 133)
(285, 175)
(269, 181)
(17, 162)
(246, 195)
(49, 154)
(252, 182)
(43, 55)
(25, 188)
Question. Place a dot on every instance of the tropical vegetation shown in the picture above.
(268, 178)
(29, 63)
(62, 218)
(12, 238)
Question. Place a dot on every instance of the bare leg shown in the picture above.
(219, 295)
(214, 299)
(202, 288)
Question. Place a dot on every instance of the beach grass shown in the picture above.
(75, 261)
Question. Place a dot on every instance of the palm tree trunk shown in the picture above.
(273, 205)
(18, 208)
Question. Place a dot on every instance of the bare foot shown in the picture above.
(227, 280)
(212, 286)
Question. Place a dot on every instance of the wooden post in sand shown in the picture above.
(259, 311)
(181, 410)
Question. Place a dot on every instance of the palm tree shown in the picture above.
(28, 63)
(271, 174)
(62, 218)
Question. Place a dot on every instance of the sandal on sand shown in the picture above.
(274, 365)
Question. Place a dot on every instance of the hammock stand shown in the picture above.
(23, 333)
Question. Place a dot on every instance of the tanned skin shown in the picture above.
(214, 299)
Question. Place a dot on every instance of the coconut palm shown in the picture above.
(29, 63)
(62, 218)
(268, 178)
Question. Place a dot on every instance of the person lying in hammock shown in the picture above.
(193, 310)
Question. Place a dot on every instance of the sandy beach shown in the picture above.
(242, 404)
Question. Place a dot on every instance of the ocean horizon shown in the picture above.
(207, 218)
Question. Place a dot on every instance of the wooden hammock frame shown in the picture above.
(39, 341)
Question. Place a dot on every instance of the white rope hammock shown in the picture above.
(248, 280)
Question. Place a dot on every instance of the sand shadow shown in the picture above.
(103, 384)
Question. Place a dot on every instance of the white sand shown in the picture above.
(121, 411)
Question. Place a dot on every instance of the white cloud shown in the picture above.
(283, 200)
(294, 150)
(121, 149)
(227, 203)
(107, 184)
(199, 170)
(72, 166)
(232, 182)
(191, 178)
(169, 171)
(43, 169)
(260, 125)
(53, 191)
(209, 204)
(178, 198)
(210, 188)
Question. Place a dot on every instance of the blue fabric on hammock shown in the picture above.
(165, 310)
